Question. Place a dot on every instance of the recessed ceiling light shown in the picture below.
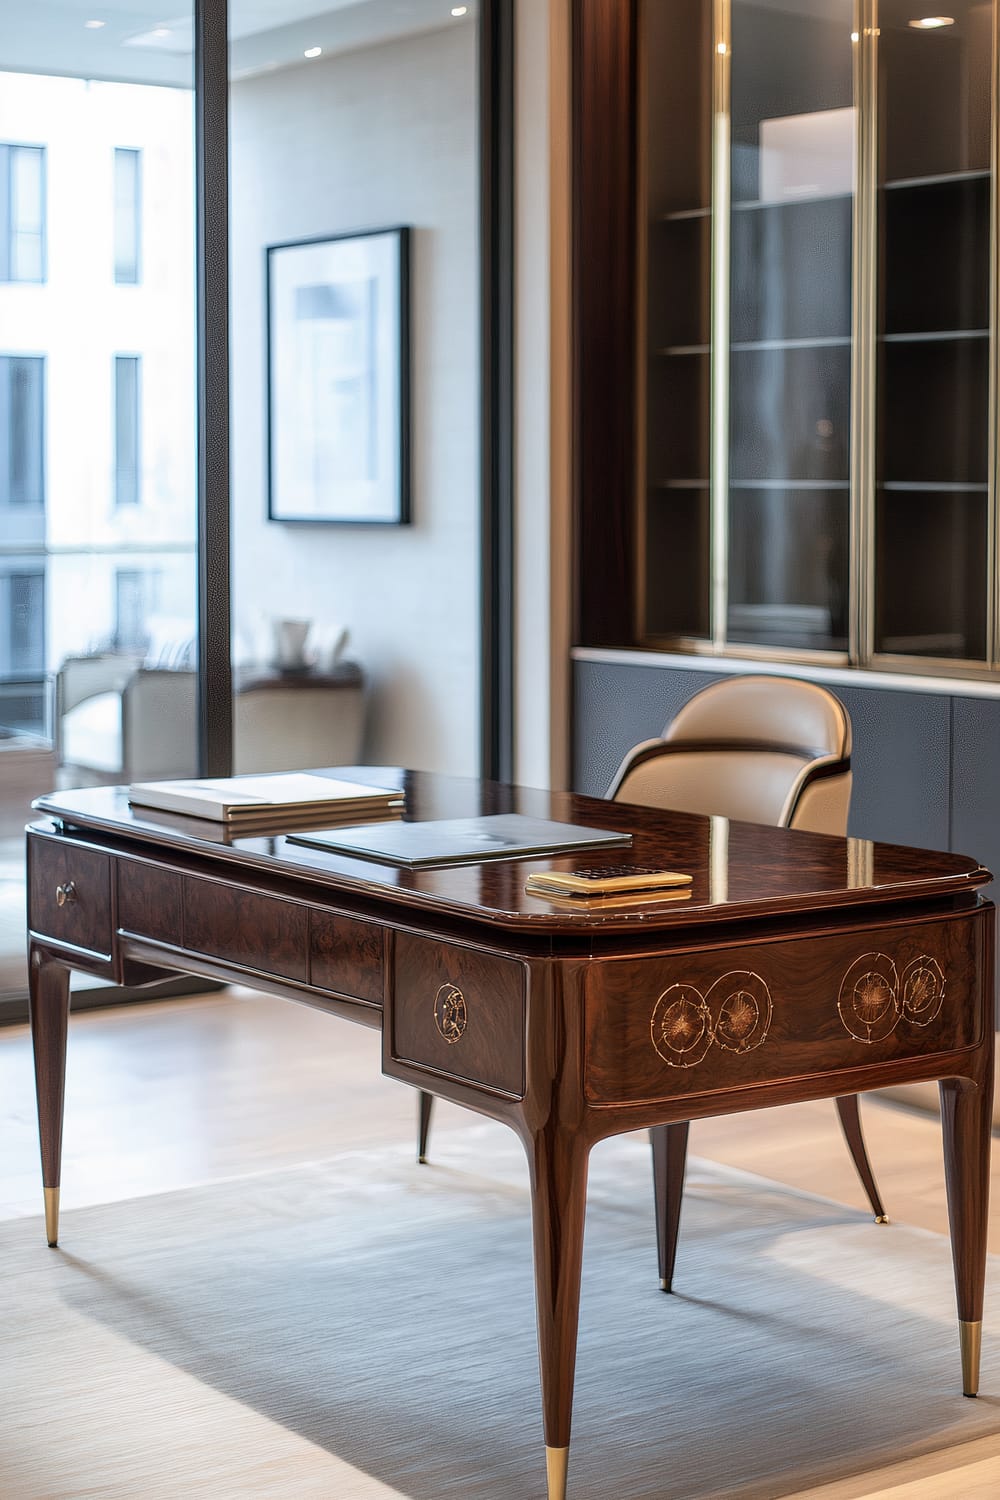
(312, 52)
(94, 25)
(932, 23)
(459, 10)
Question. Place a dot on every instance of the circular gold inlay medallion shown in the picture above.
(923, 990)
(869, 998)
(741, 1003)
(451, 1015)
(680, 1026)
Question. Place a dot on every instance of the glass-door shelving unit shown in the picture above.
(817, 331)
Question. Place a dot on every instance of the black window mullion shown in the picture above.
(215, 683)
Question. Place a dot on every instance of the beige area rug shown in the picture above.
(361, 1329)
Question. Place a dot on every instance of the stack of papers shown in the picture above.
(253, 801)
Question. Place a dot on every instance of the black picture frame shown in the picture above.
(337, 316)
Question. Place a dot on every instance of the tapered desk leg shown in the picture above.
(849, 1110)
(669, 1144)
(966, 1118)
(425, 1108)
(49, 1011)
(558, 1207)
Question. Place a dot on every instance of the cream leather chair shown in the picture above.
(761, 749)
(764, 750)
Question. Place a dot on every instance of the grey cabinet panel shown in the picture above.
(901, 761)
(975, 828)
(614, 707)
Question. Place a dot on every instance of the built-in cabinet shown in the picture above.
(799, 454)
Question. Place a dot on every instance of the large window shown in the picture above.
(22, 213)
(26, 619)
(128, 165)
(98, 478)
(22, 430)
(137, 592)
(126, 429)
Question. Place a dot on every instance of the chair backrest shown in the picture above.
(760, 748)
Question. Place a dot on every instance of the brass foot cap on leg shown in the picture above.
(881, 1218)
(52, 1216)
(556, 1464)
(665, 1286)
(971, 1338)
(421, 1161)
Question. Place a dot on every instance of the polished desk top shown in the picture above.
(740, 870)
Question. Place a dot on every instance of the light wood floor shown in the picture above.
(182, 1092)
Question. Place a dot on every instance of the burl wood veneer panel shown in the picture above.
(242, 927)
(84, 918)
(346, 956)
(690, 1023)
(150, 902)
(459, 1012)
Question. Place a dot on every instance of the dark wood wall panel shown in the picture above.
(604, 260)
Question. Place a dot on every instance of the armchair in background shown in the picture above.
(119, 719)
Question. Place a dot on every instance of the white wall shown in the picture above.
(373, 138)
(542, 395)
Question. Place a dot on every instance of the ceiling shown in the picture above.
(150, 41)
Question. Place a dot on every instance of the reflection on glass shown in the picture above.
(792, 182)
(97, 467)
(933, 315)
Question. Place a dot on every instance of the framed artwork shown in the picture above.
(337, 379)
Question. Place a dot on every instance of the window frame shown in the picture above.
(9, 231)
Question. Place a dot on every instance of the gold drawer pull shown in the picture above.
(65, 893)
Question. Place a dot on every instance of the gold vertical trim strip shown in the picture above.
(992, 538)
(864, 365)
(721, 208)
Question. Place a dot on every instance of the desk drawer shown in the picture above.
(69, 893)
(265, 933)
(345, 956)
(459, 1013)
(150, 902)
(662, 1027)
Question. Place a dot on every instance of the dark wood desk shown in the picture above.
(800, 967)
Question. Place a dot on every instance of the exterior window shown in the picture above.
(126, 429)
(27, 621)
(22, 213)
(22, 430)
(128, 181)
(137, 593)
